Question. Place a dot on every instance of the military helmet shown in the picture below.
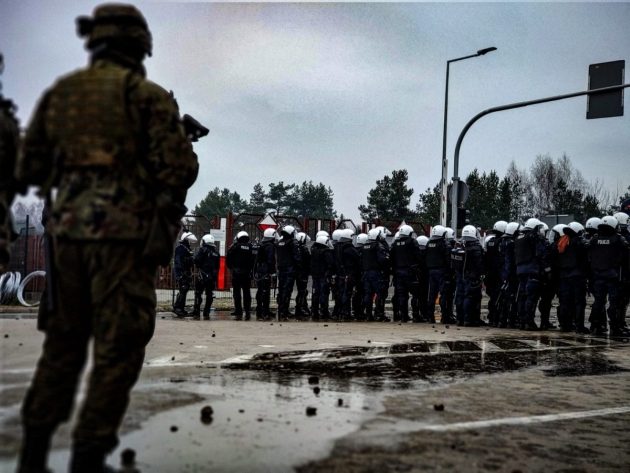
(115, 21)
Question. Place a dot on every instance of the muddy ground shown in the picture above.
(354, 397)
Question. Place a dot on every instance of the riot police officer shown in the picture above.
(207, 260)
(493, 261)
(264, 270)
(322, 270)
(438, 265)
(571, 263)
(357, 299)
(240, 261)
(405, 261)
(301, 276)
(529, 253)
(507, 304)
(608, 258)
(347, 261)
(288, 262)
(183, 268)
(375, 260)
(624, 298)
(419, 295)
(472, 274)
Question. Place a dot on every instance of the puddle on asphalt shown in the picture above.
(397, 365)
(257, 424)
(260, 421)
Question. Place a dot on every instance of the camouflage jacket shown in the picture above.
(113, 145)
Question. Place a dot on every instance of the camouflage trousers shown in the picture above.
(104, 293)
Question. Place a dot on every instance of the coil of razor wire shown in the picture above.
(27, 279)
(9, 285)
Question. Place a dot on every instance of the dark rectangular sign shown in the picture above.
(608, 104)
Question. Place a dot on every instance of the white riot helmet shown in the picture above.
(302, 238)
(397, 235)
(322, 232)
(469, 233)
(346, 234)
(288, 230)
(242, 234)
(544, 228)
(577, 227)
(362, 239)
(622, 218)
(384, 231)
(322, 239)
(422, 240)
(532, 224)
(500, 226)
(374, 234)
(188, 236)
(438, 232)
(556, 232)
(405, 230)
(269, 234)
(450, 233)
(336, 235)
(207, 239)
(512, 228)
(559, 229)
(610, 221)
(593, 223)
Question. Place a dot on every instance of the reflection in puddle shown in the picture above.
(256, 426)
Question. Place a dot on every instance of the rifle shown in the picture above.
(194, 129)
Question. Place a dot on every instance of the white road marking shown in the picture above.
(267, 346)
(525, 420)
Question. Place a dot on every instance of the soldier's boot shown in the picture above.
(88, 458)
(206, 312)
(34, 452)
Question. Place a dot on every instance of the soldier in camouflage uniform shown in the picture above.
(9, 139)
(120, 159)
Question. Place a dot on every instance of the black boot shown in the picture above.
(88, 458)
(34, 452)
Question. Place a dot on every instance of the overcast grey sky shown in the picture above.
(344, 93)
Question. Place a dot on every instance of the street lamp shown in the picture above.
(480, 52)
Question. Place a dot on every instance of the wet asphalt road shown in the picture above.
(381, 397)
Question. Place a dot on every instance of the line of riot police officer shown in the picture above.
(522, 267)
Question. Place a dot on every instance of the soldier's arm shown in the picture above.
(170, 159)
